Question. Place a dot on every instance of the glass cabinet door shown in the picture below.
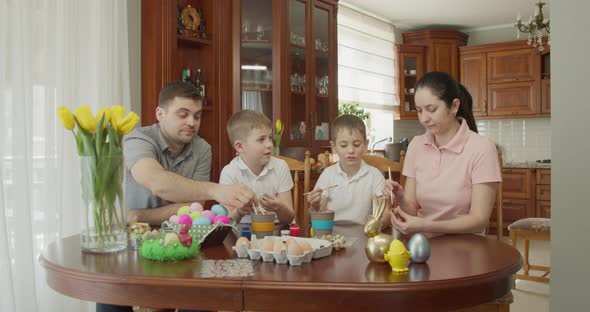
(411, 70)
(256, 56)
(321, 115)
(298, 108)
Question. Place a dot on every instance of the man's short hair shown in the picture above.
(178, 89)
(350, 122)
(241, 123)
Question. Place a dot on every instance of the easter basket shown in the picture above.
(206, 235)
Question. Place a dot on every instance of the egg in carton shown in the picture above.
(280, 252)
(242, 246)
(266, 249)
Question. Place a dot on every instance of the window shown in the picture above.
(366, 69)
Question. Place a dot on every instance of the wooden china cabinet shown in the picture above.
(425, 51)
(285, 65)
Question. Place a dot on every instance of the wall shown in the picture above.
(521, 140)
(134, 29)
(570, 175)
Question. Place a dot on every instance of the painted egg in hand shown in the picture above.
(219, 210)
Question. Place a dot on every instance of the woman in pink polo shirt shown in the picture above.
(452, 172)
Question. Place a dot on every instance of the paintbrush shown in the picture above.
(331, 187)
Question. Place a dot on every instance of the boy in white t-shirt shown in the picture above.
(351, 199)
(251, 135)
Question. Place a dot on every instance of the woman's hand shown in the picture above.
(394, 192)
(314, 198)
(405, 223)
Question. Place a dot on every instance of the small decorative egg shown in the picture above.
(419, 248)
(174, 219)
(219, 210)
(294, 250)
(195, 214)
(183, 210)
(267, 245)
(170, 238)
(196, 207)
(305, 246)
(243, 240)
(223, 219)
(208, 214)
(184, 219)
(201, 221)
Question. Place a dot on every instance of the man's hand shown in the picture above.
(235, 196)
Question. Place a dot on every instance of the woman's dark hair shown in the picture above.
(447, 89)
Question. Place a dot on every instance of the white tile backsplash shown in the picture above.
(521, 140)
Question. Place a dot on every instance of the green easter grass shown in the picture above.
(152, 249)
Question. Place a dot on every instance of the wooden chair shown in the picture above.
(384, 165)
(498, 206)
(531, 229)
(298, 168)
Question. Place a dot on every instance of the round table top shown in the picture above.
(463, 271)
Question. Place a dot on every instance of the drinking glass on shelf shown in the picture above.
(259, 32)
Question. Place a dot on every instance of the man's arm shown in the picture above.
(153, 216)
(176, 188)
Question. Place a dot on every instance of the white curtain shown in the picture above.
(366, 68)
(252, 100)
(52, 53)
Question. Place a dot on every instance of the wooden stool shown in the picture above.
(531, 229)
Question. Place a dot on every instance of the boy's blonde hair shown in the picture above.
(241, 123)
(349, 122)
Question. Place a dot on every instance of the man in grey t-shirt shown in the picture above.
(168, 165)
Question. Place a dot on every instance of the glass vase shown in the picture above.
(103, 227)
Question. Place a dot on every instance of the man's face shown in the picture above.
(180, 120)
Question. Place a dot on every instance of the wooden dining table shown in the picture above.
(463, 271)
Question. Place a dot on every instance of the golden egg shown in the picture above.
(294, 250)
(243, 240)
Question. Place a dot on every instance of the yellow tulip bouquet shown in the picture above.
(277, 136)
(99, 145)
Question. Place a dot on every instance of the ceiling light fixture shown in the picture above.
(254, 67)
(536, 27)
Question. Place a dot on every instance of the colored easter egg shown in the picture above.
(195, 214)
(219, 210)
(184, 219)
(196, 207)
(419, 248)
(183, 210)
(223, 219)
(201, 221)
(208, 214)
(174, 219)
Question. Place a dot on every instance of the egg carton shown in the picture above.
(320, 248)
(206, 235)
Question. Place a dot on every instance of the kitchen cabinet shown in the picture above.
(285, 66)
(543, 193)
(425, 51)
(526, 193)
(505, 80)
(410, 70)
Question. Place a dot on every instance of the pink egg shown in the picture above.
(208, 214)
(184, 219)
(196, 207)
(221, 218)
(174, 219)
